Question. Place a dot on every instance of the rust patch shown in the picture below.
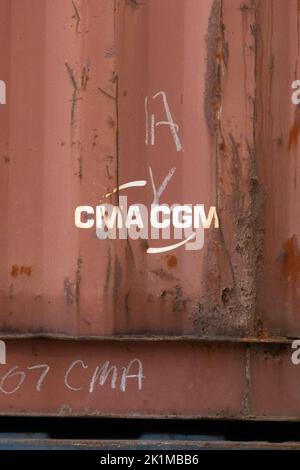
(79, 165)
(236, 250)
(177, 298)
(217, 56)
(294, 132)
(171, 261)
(72, 289)
(261, 331)
(291, 259)
(227, 295)
(14, 270)
(20, 270)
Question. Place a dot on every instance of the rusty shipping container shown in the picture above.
(190, 101)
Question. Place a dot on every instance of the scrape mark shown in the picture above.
(68, 291)
(117, 276)
(246, 397)
(108, 270)
(72, 289)
(79, 172)
(78, 278)
(108, 95)
(164, 275)
(85, 75)
(75, 91)
(76, 16)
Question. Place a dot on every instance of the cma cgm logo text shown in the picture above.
(162, 222)
(185, 223)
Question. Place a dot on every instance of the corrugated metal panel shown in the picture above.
(277, 130)
(84, 78)
(59, 141)
(76, 130)
(192, 379)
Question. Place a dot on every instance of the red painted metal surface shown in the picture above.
(58, 137)
(73, 386)
(149, 379)
(83, 79)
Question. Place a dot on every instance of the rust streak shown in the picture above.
(291, 259)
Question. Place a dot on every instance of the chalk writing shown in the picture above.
(73, 379)
(174, 128)
(158, 193)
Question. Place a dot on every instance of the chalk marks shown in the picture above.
(78, 376)
(164, 184)
(174, 128)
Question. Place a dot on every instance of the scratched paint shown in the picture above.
(88, 93)
(277, 145)
(169, 101)
(125, 379)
